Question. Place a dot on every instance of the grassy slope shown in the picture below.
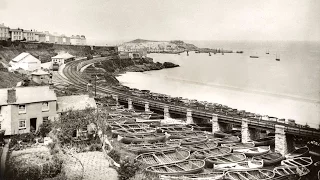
(8, 79)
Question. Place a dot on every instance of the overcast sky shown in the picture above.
(111, 20)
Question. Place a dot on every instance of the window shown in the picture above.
(45, 119)
(45, 106)
(22, 108)
(22, 124)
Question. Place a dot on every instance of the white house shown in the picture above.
(61, 58)
(40, 76)
(25, 61)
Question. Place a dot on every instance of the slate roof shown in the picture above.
(63, 56)
(25, 56)
(76, 102)
(40, 72)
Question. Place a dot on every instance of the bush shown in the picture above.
(44, 129)
(128, 169)
(115, 155)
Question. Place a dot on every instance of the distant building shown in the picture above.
(26, 62)
(62, 58)
(124, 55)
(78, 40)
(4, 32)
(25, 108)
(40, 37)
(16, 34)
(49, 38)
(65, 40)
(29, 35)
(40, 76)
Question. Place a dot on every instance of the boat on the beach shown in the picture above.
(299, 152)
(221, 134)
(201, 154)
(134, 131)
(254, 56)
(227, 140)
(287, 177)
(194, 140)
(138, 138)
(265, 141)
(128, 126)
(255, 174)
(255, 151)
(164, 157)
(173, 129)
(245, 165)
(190, 166)
(226, 158)
(186, 134)
(271, 158)
(298, 161)
(287, 170)
(207, 174)
(148, 147)
(201, 146)
(239, 145)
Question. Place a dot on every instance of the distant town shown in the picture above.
(20, 34)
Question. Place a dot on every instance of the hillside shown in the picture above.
(176, 45)
(141, 41)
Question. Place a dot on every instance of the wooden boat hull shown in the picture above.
(202, 154)
(256, 151)
(133, 131)
(299, 161)
(199, 176)
(147, 147)
(228, 140)
(245, 165)
(261, 174)
(140, 138)
(225, 159)
(288, 170)
(287, 177)
(201, 146)
(193, 140)
(191, 166)
(239, 145)
(187, 134)
(270, 158)
(220, 134)
(265, 141)
(164, 157)
(300, 152)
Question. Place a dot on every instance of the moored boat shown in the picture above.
(148, 147)
(164, 157)
(201, 154)
(287, 177)
(201, 146)
(245, 165)
(239, 145)
(298, 161)
(265, 141)
(173, 129)
(134, 131)
(194, 140)
(256, 174)
(287, 170)
(271, 158)
(299, 152)
(207, 174)
(227, 140)
(138, 138)
(254, 56)
(255, 151)
(190, 166)
(221, 134)
(226, 158)
(186, 134)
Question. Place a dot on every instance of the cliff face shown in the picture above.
(45, 51)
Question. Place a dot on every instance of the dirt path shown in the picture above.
(96, 166)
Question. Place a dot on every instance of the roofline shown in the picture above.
(26, 103)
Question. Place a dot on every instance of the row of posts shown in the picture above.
(246, 132)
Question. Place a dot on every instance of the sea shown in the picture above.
(289, 88)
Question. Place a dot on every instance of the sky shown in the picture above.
(122, 20)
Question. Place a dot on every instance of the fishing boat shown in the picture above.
(209, 54)
(164, 157)
(226, 159)
(134, 131)
(128, 126)
(147, 147)
(186, 134)
(255, 151)
(201, 146)
(151, 138)
(173, 129)
(228, 140)
(245, 165)
(239, 145)
(287, 170)
(201, 154)
(254, 56)
(299, 152)
(277, 58)
(207, 174)
(254, 174)
(190, 166)
(271, 158)
(267, 51)
(194, 140)
(221, 134)
(287, 177)
(298, 161)
(264, 141)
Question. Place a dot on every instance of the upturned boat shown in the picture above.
(138, 138)
(201, 154)
(298, 161)
(201, 146)
(287, 170)
(271, 158)
(245, 165)
(190, 166)
(239, 145)
(226, 159)
(194, 140)
(255, 151)
(255, 174)
(164, 157)
(264, 141)
(299, 152)
(148, 147)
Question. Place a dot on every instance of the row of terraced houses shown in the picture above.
(36, 36)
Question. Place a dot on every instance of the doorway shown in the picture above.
(33, 124)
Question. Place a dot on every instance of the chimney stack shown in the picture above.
(12, 98)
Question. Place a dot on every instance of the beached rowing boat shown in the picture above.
(255, 174)
(287, 170)
(194, 140)
(190, 166)
(138, 138)
(255, 151)
(207, 174)
(239, 145)
(134, 131)
(173, 129)
(164, 157)
(225, 159)
(148, 147)
(299, 152)
(298, 161)
(245, 165)
(271, 158)
(287, 177)
(202, 154)
(227, 140)
(201, 146)
(186, 134)
(220, 134)
(265, 141)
